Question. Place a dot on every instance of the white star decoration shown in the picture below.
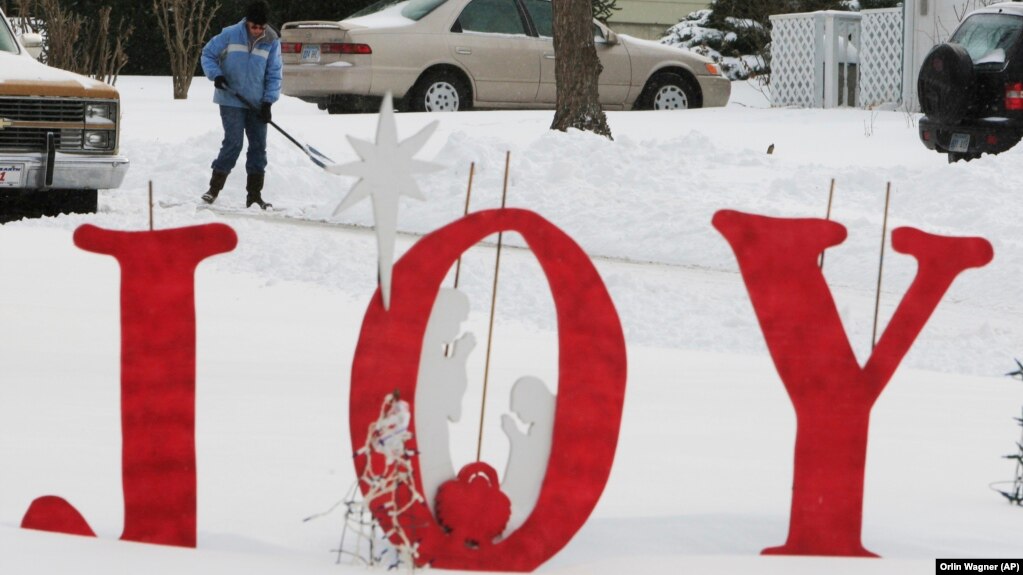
(385, 173)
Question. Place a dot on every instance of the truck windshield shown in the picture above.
(7, 42)
(989, 37)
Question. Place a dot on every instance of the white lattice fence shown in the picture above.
(793, 41)
(881, 58)
(834, 58)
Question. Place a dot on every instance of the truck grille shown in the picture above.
(42, 110)
(47, 112)
(34, 140)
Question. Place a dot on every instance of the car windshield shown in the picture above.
(988, 37)
(7, 42)
(412, 9)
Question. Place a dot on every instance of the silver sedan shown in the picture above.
(446, 55)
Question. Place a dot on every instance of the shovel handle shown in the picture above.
(252, 107)
(300, 145)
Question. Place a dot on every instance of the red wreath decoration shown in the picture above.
(472, 507)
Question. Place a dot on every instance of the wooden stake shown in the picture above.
(150, 205)
(493, 306)
(880, 266)
(504, 190)
(448, 348)
(468, 196)
(831, 197)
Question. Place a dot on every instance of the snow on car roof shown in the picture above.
(397, 14)
(1013, 7)
(389, 17)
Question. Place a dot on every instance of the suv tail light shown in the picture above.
(338, 48)
(1014, 96)
(291, 47)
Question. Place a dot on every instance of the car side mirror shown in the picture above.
(33, 43)
(611, 38)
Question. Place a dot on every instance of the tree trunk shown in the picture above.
(184, 24)
(576, 69)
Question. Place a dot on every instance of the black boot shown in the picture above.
(254, 185)
(217, 181)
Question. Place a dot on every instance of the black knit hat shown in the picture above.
(258, 12)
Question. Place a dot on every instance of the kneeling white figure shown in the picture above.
(533, 404)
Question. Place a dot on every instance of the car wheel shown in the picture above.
(945, 83)
(440, 92)
(347, 104)
(18, 203)
(669, 91)
(55, 202)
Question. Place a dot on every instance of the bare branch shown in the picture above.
(184, 24)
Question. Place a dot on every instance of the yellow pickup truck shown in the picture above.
(58, 135)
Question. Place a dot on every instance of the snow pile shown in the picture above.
(647, 196)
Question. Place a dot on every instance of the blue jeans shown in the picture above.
(239, 121)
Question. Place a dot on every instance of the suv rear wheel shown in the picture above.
(945, 85)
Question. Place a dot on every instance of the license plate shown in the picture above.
(311, 54)
(959, 143)
(11, 175)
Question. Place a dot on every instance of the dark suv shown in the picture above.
(971, 88)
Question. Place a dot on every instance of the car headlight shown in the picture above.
(101, 113)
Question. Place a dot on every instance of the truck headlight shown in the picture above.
(100, 113)
(98, 140)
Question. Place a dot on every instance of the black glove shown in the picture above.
(220, 82)
(264, 112)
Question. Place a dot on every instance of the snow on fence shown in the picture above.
(832, 58)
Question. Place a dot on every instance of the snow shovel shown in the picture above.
(315, 155)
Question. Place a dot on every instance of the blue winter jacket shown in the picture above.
(252, 69)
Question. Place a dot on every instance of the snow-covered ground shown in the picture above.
(702, 476)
